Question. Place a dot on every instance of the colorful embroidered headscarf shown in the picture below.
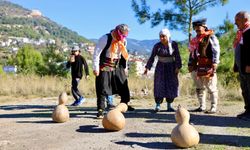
(239, 34)
(121, 32)
(194, 43)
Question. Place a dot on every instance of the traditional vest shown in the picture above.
(105, 63)
(205, 48)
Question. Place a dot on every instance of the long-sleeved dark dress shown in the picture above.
(165, 80)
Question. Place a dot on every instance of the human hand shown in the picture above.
(96, 73)
(177, 70)
(214, 66)
(190, 68)
(145, 71)
(87, 77)
(126, 72)
(72, 58)
(247, 69)
(235, 68)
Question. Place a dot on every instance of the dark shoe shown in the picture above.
(130, 108)
(246, 118)
(244, 114)
(170, 109)
(198, 110)
(100, 114)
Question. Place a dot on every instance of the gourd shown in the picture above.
(63, 98)
(122, 107)
(184, 135)
(114, 120)
(61, 112)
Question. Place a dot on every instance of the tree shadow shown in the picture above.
(229, 140)
(215, 139)
(150, 145)
(151, 116)
(42, 122)
(20, 107)
(41, 108)
(145, 135)
(46, 115)
(26, 115)
(196, 119)
(45, 111)
(220, 121)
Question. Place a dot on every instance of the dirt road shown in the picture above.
(27, 125)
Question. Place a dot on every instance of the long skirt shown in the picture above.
(165, 81)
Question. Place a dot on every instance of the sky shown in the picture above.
(93, 18)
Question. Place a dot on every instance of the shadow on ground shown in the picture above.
(195, 118)
(91, 129)
(45, 111)
(215, 139)
(149, 145)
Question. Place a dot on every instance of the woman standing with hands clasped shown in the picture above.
(166, 72)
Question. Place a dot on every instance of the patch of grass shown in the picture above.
(140, 87)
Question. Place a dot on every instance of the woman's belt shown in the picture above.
(166, 59)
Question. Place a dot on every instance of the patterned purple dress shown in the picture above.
(165, 80)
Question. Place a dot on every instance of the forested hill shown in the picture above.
(16, 21)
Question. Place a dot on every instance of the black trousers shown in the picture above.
(74, 89)
(110, 83)
(245, 88)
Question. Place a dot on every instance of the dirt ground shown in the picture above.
(26, 124)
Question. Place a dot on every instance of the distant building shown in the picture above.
(90, 49)
(140, 62)
(35, 13)
(14, 49)
(140, 66)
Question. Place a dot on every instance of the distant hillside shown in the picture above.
(17, 21)
(142, 47)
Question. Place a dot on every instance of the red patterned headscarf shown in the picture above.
(239, 34)
(194, 43)
(119, 37)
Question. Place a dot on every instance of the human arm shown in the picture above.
(192, 62)
(246, 45)
(178, 61)
(151, 59)
(68, 64)
(216, 51)
(97, 52)
(86, 68)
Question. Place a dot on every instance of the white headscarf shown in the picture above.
(166, 32)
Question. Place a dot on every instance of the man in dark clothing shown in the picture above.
(109, 63)
(76, 63)
(242, 61)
